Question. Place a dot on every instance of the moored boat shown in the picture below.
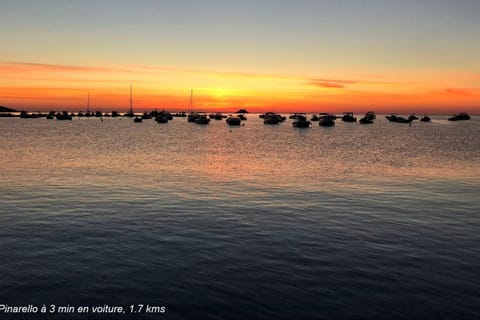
(365, 120)
(398, 119)
(368, 118)
(202, 119)
(146, 116)
(301, 121)
(348, 117)
(459, 117)
(161, 118)
(63, 116)
(218, 116)
(294, 116)
(425, 119)
(233, 121)
(271, 118)
(130, 112)
(26, 115)
(370, 115)
(326, 121)
(192, 117)
(51, 115)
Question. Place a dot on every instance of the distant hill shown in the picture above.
(6, 109)
(242, 111)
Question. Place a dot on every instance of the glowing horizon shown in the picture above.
(44, 86)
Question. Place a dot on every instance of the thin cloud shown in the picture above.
(344, 83)
(329, 85)
(462, 91)
(14, 67)
(10, 66)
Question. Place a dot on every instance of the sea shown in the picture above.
(111, 219)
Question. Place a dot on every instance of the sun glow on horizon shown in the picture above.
(44, 87)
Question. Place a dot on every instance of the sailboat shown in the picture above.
(130, 112)
(88, 114)
(192, 116)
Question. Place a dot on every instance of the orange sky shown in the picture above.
(34, 86)
(304, 55)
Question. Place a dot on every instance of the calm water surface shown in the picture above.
(254, 222)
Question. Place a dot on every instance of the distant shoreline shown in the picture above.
(7, 109)
(112, 114)
(7, 112)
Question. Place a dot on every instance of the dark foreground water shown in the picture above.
(255, 222)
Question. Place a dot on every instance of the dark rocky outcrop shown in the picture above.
(6, 109)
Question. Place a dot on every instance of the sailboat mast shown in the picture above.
(88, 102)
(191, 100)
(131, 104)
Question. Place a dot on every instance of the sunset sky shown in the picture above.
(304, 55)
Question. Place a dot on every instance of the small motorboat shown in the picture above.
(301, 121)
(348, 117)
(398, 119)
(294, 116)
(370, 115)
(368, 118)
(459, 117)
(202, 119)
(326, 121)
(216, 116)
(271, 118)
(161, 118)
(63, 116)
(146, 116)
(233, 121)
(179, 114)
(365, 120)
(192, 116)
